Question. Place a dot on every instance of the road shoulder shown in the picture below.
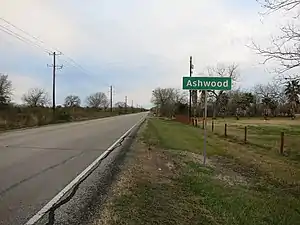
(159, 185)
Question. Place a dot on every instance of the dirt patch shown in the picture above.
(232, 179)
(221, 166)
(230, 167)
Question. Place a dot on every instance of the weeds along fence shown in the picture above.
(283, 140)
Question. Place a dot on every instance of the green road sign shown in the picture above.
(207, 83)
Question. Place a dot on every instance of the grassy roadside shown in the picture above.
(164, 182)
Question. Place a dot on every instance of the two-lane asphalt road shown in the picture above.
(35, 164)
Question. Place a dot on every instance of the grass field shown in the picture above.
(165, 182)
(263, 134)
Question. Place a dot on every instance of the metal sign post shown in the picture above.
(205, 127)
(205, 84)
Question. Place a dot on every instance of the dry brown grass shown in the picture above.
(22, 117)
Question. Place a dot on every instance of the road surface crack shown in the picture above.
(40, 172)
(51, 218)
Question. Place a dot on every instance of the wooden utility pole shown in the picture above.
(195, 100)
(111, 98)
(55, 67)
(132, 109)
(205, 128)
(126, 104)
(190, 100)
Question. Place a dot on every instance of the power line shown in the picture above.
(21, 38)
(190, 97)
(26, 40)
(28, 34)
(78, 66)
(25, 32)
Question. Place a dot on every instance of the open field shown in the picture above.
(164, 181)
(264, 134)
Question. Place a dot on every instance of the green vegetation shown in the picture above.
(166, 183)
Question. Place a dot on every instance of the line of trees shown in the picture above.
(36, 108)
(273, 99)
(38, 97)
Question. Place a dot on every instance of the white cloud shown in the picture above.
(129, 33)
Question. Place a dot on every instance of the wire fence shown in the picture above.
(276, 138)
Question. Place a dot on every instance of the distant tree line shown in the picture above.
(36, 109)
(38, 97)
(268, 100)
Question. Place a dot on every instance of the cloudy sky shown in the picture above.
(134, 45)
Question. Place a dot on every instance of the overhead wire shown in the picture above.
(25, 32)
(22, 38)
(68, 60)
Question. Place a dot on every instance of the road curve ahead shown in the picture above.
(35, 164)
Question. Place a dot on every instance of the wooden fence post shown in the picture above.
(282, 143)
(203, 124)
(245, 137)
(225, 130)
(212, 126)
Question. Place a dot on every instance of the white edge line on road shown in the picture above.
(69, 187)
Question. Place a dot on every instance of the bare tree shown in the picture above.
(222, 70)
(275, 5)
(270, 96)
(97, 100)
(72, 101)
(181, 97)
(5, 89)
(36, 97)
(284, 48)
(270, 90)
(167, 100)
